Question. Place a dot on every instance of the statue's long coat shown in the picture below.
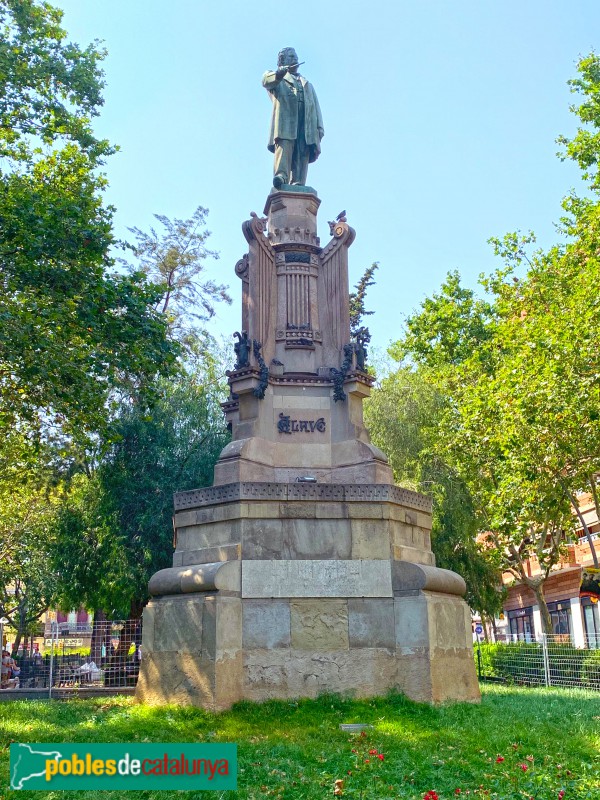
(284, 121)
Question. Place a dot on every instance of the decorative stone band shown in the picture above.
(322, 492)
(323, 578)
(319, 578)
(409, 577)
(223, 575)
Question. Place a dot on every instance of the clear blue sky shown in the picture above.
(440, 121)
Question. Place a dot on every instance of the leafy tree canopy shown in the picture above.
(520, 372)
(403, 414)
(115, 527)
(72, 330)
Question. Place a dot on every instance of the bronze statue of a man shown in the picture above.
(296, 124)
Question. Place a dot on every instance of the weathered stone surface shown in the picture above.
(316, 538)
(453, 677)
(412, 623)
(434, 650)
(414, 674)
(289, 402)
(148, 618)
(263, 510)
(221, 575)
(228, 681)
(291, 510)
(331, 510)
(371, 622)
(182, 679)
(221, 627)
(447, 623)
(209, 555)
(229, 627)
(266, 624)
(288, 673)
(407, 576)
(319, 625)
(188, 679)
(327, 578)
(262, 539)
(370, 539)
(192, 652)
(365, 510)
(178, 625)
(214, 534)
(415, 554)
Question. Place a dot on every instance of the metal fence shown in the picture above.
(549, 660)
(108, 655)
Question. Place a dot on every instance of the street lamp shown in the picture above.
(3, 622)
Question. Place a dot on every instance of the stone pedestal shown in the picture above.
(303, 569)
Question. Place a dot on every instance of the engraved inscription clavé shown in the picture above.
(288, 425)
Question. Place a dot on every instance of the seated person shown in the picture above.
(9, 672)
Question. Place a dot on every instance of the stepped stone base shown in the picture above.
(292, 590)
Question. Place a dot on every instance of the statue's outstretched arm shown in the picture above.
(270, 80)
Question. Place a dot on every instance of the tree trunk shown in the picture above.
(494, 627)
(17, 642)
(484, 625)
(538, 590)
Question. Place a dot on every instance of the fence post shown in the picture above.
(53, 627)
(546, 659)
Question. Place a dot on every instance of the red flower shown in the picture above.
(500, 759)
(524, 767)
(561, 794)
(431, 795)
(380, 756)
(457, 791)
(372, 752)
(367, 760)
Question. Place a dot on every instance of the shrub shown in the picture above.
(590, 673)
(523, 663)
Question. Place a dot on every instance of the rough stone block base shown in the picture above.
(191, 650)
(210, 650)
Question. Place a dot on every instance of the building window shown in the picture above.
(591, 621)
(560, 614)
(521, 624)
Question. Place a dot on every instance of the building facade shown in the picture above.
(573, 602)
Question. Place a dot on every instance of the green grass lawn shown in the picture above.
(519, 743)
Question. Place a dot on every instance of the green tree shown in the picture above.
(175, 260)
(357, 304)
(521, 372)
(29, 499)
(72, 330)
(402, 416)
(116, 528)
(480, 436)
